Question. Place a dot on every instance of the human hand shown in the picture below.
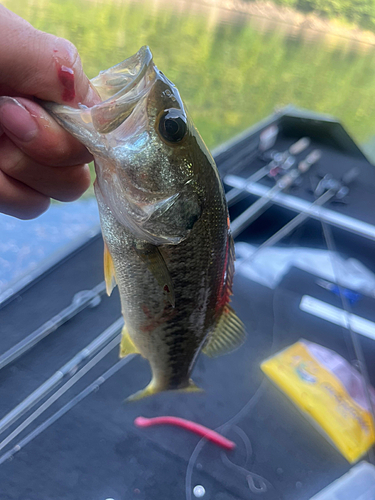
(38, 159)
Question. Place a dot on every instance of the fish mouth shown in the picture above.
(124, 90)
(121, 88)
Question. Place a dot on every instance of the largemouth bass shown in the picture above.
(164, 220)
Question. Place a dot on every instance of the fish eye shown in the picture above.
(172, 125)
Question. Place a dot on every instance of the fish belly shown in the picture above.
(169, 337)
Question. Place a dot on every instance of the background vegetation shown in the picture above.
(358, 12)
(232, 70)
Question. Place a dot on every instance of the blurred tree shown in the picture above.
(232, 70)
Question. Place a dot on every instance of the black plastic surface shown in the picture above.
(95, 452)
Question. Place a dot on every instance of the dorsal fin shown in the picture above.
(228, 334)
(109, 271)
(230, 267)
(226, 287)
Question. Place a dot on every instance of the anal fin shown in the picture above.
(152, 389)
(149, 390)
(109, 271)
(192, 387)
(127, 345)
(228, 334)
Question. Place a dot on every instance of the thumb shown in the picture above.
(34, 63)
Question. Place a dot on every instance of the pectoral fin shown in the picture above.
(228, 335)
(151, 256)
(127, 345)
(109, 271)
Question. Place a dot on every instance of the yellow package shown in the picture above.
(329, 390)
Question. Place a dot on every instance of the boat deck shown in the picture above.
(65, 431)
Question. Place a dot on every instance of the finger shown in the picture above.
(19, 200)
(39, 64)
(38, 135)
(60, 183)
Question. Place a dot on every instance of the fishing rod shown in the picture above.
(249, 153)
(280, 161)
(94, 386)
(332, 217)
(327, 189)
(287, 180)
(63, 389)
(81, 300)
(55, 379)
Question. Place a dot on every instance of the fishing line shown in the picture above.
(251, 403)
(328, 236)
(246, 441)
(231, 423)
(194, 456)
(251, 477)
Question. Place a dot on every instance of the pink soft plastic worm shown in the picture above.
(202, 431)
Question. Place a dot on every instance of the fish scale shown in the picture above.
(164, 221)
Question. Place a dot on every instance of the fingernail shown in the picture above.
(15, 118)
